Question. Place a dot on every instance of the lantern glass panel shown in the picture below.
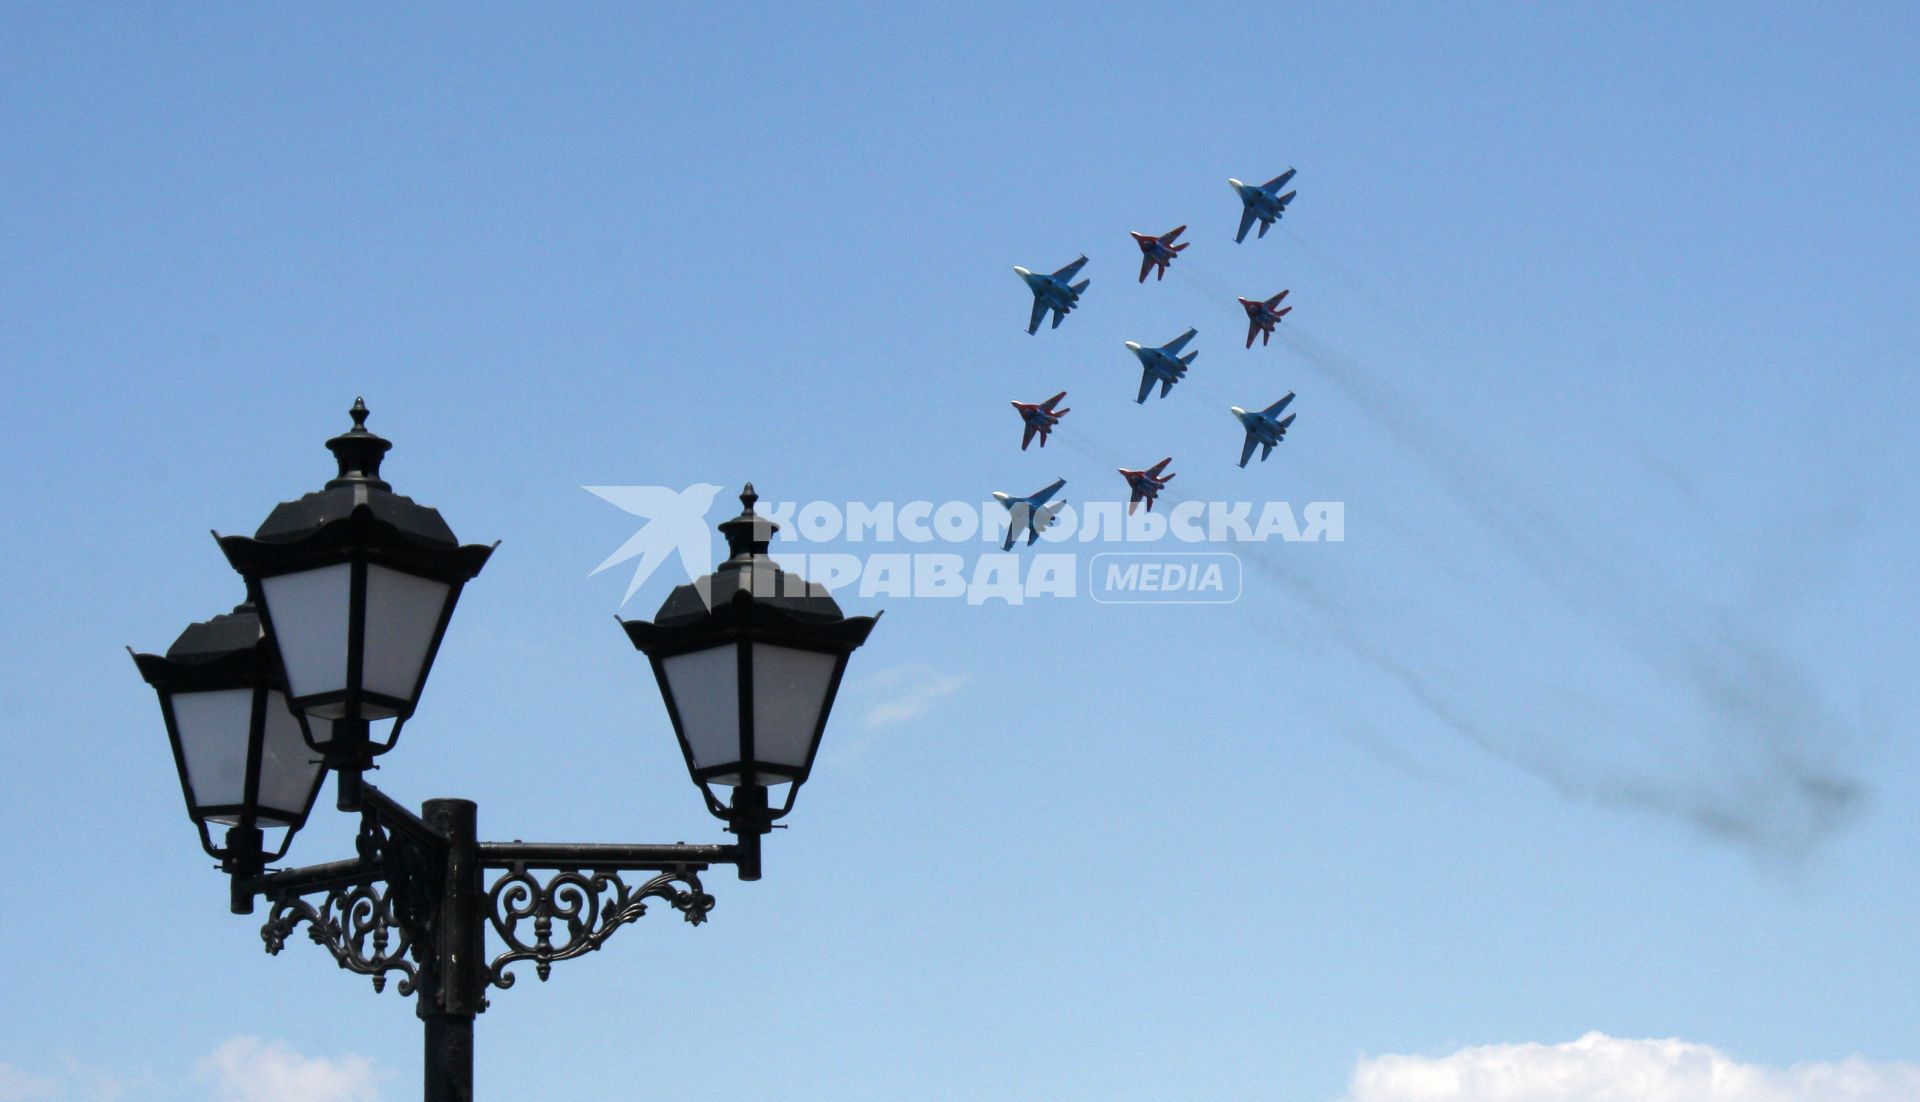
(309, 609)
(706, 692)
(789, 689)
(403, 611)
(288, 768)
(214, 730)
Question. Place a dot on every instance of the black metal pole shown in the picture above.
(448, 1005)
(348, 762)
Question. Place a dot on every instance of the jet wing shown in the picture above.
(1168, 237)
(1041, 497)
(1066, 274)
(1173, 347)
(1246, 220)
(1277, 182)
(1160, 466)
(1146, 384)
(1146, 265)
(1048, 404)
(1039, 311)
(1246, 449)
(1279, 405)
(1028, 438)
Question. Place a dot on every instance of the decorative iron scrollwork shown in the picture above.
(583, 907)
(382, 921)
(357, 924)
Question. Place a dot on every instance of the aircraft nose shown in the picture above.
(1235, 184)
(1133, 346)
(1021, 272)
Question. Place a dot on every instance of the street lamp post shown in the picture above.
(350, 590)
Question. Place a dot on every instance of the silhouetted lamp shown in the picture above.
(355, 585)
(243, 762)
(749, 659)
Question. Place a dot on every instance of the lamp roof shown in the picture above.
(358, 485)
(749, 570)
(206, 640)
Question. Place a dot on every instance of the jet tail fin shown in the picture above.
(1080, 286)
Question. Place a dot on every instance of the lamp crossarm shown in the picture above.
(377, 913)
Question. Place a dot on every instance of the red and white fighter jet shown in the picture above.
(1040, 418)
(1146, 484)
(1261, 317)
(1158, 252)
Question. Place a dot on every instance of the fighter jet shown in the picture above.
(1261, 317)
(1031, 512)
(1040, 417)
(1146, 484)
(1262, 202)
(1158, 252)
(1054, 292)
(1265, 427)
(1164, 364)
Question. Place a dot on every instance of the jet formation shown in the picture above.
(1058, 293)
(1263, 202)
(1262, 317)
(1040, 418)
(1164, 365)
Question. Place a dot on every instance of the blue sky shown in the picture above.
(1600, 720)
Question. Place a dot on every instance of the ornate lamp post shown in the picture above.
(355, 586)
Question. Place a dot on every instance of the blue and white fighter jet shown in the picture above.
(1031, 512)
(1056, 292)
(1263, 202)
(1164, 365)
(1265, 427)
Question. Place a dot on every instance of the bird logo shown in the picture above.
(676, 523)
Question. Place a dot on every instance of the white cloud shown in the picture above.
(248, 1069)
(1599, 1068)
(19, 1086)
(906, 692)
